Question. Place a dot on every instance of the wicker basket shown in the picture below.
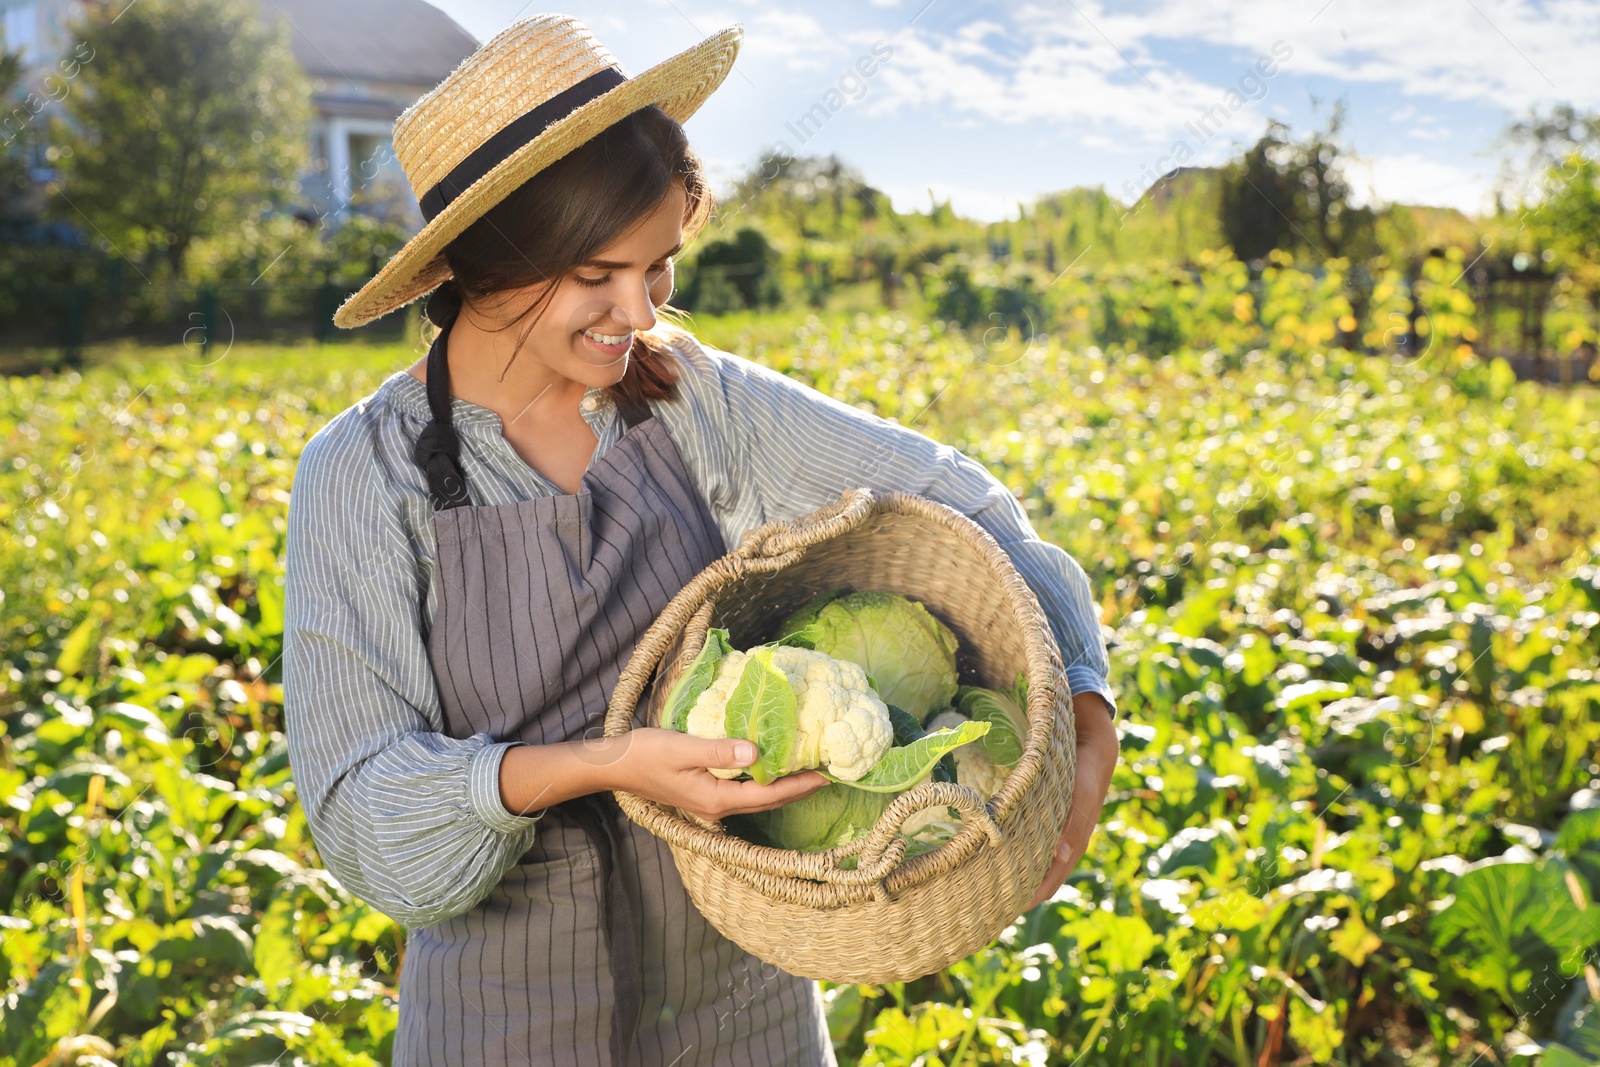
(890, 919)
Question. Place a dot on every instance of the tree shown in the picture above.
(1258, 198)
(957, 297)
(191, 117)
(1551, 168)
(1541, 142)
(1567, 220)
(13, 166)
(1294, 195)
(808, 196)
(729, 275)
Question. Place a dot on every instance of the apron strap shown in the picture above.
(438, 449)
(596, 813)
(632, 412)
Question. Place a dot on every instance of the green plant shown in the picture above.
(1354, 617)
(839, 813)
(909, 653)
(985, 766)
(1006, 713)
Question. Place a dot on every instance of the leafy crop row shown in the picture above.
(1353, 608)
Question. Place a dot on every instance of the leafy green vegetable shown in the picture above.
(1018, 691)
(907, 731)
(1511, 920)
(842, 811)
(1004, 743)
(908, 653)
(799, 639)
(696, 679)
(837, 720)
(903, 766)
(834, 815)
(201, 826)
(906, 727)
(935, 834)
(762, 709)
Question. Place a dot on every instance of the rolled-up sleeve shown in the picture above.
(408, 818)
(800, 448)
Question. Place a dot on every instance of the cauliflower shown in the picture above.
(841, 723)
(973, 768)
(807, 709)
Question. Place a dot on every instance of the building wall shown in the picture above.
(354, 168)
(38, 27)
(354, 165)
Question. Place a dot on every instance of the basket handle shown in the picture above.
(779, 537)
(881, 850)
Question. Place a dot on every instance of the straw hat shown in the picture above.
(537, 90)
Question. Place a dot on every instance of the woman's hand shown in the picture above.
(1097, 758)
(671, 767)
(662, 765)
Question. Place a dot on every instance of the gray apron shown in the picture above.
(588, 951)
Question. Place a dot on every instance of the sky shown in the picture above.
(989, 105)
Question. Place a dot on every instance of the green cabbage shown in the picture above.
(908, 653)
(1006, 715)
(834, 815)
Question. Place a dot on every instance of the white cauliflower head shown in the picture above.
(973, 768)
(842, 724)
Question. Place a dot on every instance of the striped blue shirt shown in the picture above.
(410, 819)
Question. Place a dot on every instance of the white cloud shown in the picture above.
(1101, 74)
(774, 36)
(792, 38)
(1038, 70)
(987, 205)
(1410, 178)
(1510, 53)
(1092, 64)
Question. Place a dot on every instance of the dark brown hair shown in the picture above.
(566, 214)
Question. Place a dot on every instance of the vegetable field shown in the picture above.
(1354, 608)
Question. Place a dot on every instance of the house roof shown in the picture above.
(406, 41)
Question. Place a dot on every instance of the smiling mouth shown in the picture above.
(607, 338)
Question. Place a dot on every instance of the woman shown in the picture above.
(475, 548)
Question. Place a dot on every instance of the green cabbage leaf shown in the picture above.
(905, 765)
(696, 680)
(909, 655)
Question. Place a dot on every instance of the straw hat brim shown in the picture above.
(679, 85)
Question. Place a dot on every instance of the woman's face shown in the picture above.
(613, 295)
